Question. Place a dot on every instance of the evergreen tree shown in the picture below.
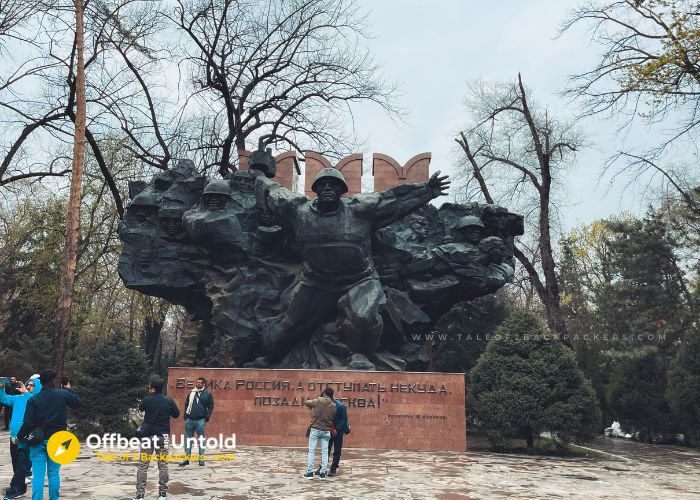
(110, 379)
(527, 382)
(647, 306)
(31, 236)
(583, 280)
(629, 302)
(683, 392)
(646, 300)
(635, 392)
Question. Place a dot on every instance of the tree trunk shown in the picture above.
(530, 439)
(70, 252)
(153, 328)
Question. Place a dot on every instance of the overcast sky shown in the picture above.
(433, 48)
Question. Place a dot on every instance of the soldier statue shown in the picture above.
(333, 237)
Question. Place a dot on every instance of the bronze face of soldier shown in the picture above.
(328, 191)
(495, 248)
(215, 202)
(419, 225)
(472, 234)
(496, 219)
(171, 222)
(470, 229)
(243, 182)
(144, 208)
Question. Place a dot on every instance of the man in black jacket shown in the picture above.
(158, 409)
(47, 410)
(199, 405)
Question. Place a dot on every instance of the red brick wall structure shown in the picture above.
(315, 162)
(350, 166)
(388, 173)
(288, 169)
(386, 410)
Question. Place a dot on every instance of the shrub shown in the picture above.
(527, 382)
(109, 381)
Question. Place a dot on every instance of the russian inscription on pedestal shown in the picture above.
(387, 410)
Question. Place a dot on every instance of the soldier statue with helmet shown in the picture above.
(212, 225)
(282, 280)
(333, 237)
(470, 229)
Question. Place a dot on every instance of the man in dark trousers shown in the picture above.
(199, 405)
(342, 427)
(158, 409)
(47, 410)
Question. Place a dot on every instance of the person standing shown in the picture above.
(199, 405)
(47, 410)
(323, 412)
(342, 427)
(19, 451)
(11, 389)
(158, 409)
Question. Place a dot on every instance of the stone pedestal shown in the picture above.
(386, 410)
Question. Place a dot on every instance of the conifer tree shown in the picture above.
(527, 382)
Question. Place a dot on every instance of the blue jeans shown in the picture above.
(41, 464)
(314, 437)
(190, 427)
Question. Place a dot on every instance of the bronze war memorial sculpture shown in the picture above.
(285, 281)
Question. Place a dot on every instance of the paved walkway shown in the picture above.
(264, 472)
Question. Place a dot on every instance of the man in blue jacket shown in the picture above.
(48, 411)
(18, 449)
(199, 405)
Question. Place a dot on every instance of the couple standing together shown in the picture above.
(329, 423)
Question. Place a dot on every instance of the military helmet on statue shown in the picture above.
(469, 221)
(144, 199)
(329, 173)
(218, 186)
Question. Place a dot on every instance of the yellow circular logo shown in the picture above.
(63, 447)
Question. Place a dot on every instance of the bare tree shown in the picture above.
(649, 70)
(14, 13)
(21, 31)
(38, 98)
(514, 153)
(133, 97)
(288, 69)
